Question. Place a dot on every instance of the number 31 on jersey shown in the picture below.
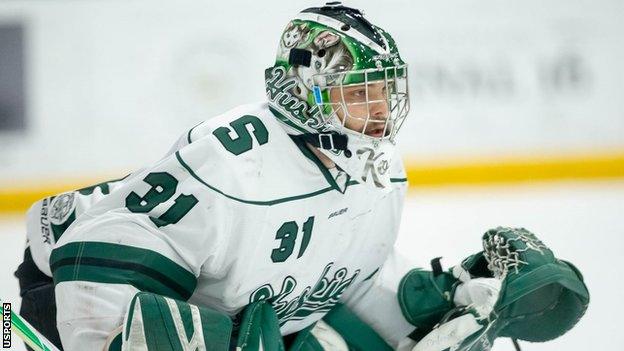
(163, 188)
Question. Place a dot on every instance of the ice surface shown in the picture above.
(581, 222)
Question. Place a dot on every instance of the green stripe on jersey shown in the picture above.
(188, 135)
(251, 202)
(312, 157)
(100, 262)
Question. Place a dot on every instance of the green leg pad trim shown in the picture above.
(305, 341)
(165, 324)
(260, 329)
(357, 334)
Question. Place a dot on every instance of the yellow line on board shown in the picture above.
(516, 170)
(419, 174)
(19, 199)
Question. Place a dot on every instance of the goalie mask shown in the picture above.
(339, 83)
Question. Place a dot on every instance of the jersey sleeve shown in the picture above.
(48, 218)
(156, 233)
(196, 132)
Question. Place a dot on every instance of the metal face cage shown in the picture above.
(371, 103)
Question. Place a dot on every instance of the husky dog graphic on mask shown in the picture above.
(329, 55)
(294, 35)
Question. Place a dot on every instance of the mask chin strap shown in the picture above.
(327, 141)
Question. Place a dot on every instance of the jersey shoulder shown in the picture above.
(245, 152)
(240, 115)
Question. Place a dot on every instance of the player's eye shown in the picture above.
(359, 93)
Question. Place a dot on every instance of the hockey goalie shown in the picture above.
(272, 226)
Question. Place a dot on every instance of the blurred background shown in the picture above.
(517, 115)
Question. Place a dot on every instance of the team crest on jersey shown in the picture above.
(319, 298)
(376, 165)
(62, 207)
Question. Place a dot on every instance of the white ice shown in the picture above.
(581, 222)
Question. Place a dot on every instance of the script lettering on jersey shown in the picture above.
(278, 89)
(319, 298)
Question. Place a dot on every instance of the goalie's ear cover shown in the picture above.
(541, 296)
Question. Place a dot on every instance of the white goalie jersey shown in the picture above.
(238, 211)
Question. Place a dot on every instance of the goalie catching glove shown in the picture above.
(514, 288)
